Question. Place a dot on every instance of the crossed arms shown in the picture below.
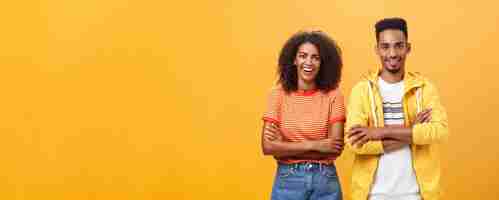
(392, 138)
(428, 127)
(274, 144)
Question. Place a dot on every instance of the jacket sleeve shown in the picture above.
(358, 114)
(436, 130)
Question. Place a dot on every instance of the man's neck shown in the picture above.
(392, 77)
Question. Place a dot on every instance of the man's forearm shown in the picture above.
(401, 134)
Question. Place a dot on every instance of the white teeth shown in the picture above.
(307, 69)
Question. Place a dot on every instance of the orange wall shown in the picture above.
(162, 100)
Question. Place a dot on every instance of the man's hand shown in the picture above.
(423, 117)
(390, 145)
(359, 135)
(328, 145)
(272, 132)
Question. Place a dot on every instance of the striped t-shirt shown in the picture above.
(305, 115)
(395, 177)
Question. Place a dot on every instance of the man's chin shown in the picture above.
(393, 70)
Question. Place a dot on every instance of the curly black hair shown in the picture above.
(329, 74)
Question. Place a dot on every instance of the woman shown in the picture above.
(303, 124)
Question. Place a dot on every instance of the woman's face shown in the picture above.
(308, 62)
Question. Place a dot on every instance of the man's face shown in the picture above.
(392, 49)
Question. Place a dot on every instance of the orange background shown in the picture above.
(163, 99)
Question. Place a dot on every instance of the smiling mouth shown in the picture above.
(308, 69)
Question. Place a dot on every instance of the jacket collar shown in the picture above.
(411, 79)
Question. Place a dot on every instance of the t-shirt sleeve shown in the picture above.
(337, 107)
(273, 112)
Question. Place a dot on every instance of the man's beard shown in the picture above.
(393, 71)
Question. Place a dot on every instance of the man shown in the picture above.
(394, 125)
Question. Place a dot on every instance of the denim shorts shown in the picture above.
(311, 181)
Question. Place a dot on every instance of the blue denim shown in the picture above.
(306, 181)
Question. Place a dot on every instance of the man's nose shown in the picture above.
(392, 52)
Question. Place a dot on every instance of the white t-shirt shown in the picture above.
(395, 178)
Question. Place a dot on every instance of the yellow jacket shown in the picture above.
(365, 108)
